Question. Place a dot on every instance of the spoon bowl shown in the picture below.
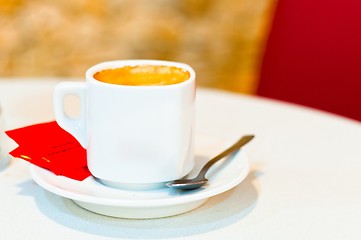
(200, 179)
(187, 184)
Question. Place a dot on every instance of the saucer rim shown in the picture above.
(187, 197)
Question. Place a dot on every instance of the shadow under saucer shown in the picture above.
(218, 212)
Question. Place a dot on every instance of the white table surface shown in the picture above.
(305, 179)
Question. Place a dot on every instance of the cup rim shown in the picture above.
(121, 63)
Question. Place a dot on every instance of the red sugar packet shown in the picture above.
(48, 146)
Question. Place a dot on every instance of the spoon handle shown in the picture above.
(241, 142)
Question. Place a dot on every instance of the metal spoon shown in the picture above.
(200, 180)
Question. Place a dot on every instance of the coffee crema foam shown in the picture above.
(143, 75)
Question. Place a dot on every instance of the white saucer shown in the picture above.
(164, 202)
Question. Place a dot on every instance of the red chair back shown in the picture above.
(313, 55)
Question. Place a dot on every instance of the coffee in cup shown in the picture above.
(143, 75)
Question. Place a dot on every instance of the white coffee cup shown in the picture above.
(4, 156)
(137, 137)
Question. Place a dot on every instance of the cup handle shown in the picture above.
(75, 126)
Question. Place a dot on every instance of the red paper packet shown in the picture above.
(48, 146)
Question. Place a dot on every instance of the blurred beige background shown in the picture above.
(221, 39)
